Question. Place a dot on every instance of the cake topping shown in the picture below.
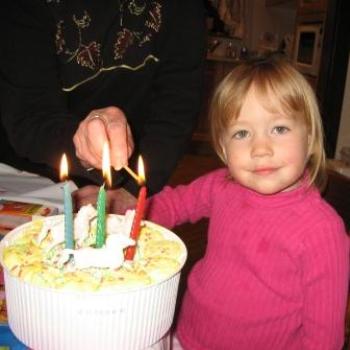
(111, 255)
(37, 254)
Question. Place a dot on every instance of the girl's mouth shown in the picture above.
(264, 171)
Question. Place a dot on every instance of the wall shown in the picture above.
(344, 127)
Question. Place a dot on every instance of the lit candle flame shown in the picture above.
(64, 168)
(141, 171)
(106, 165)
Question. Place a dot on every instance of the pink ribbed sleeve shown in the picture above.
(185, 204)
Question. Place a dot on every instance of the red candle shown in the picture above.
(139, 211)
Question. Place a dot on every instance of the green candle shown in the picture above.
(101, 218)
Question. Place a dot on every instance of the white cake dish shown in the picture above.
(55, 319)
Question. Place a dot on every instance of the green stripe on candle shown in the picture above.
(101, 218)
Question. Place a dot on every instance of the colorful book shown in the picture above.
(13, 213)
(3, 312)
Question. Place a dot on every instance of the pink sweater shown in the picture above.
(276, 269)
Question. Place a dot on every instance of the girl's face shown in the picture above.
(266, 150)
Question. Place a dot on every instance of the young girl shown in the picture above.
(275, 273)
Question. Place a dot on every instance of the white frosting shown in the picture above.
(82, 223)
(56, 227)
(111, 255)
(120, 224)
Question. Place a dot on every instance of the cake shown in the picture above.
(95, 298)
(38, 255)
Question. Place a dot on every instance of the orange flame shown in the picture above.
(141, 171)
(64, 168)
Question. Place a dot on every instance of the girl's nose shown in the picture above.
(261, 146)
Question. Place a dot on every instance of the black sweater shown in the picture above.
(61, 59)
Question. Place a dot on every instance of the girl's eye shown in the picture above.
(241, 134)
(280, 130)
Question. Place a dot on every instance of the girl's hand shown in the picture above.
(104, 125)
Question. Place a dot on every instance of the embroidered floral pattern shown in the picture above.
(135, 9)
(59, 40)
(126, 37)
(89, 56)
(155, 18)
(83, 22)
(86, 55)
(76, 43)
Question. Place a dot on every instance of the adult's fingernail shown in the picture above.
(117, 165)
(117, 168)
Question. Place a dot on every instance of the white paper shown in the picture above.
(26, 187)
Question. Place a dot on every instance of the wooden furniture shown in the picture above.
(329, 82)
(310, 20)
(337, 192)
(311, 6)
(271, 3)
(332, 74)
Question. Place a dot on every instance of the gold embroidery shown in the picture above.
(59, 39)
(89, 55)
(83, 22)
(135, 9)
(127, 37)
(121, 66)
(155, 18)
(124, 39)
(86, 55)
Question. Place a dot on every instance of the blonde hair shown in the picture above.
(289, 89)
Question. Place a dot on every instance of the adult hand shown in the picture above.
(101, 125)
(118, 200)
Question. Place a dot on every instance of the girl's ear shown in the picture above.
(309, 146)
(223, 153)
